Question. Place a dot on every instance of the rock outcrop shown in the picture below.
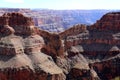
(109, 22)
(20, 55)
(75, 30)
(93, 35)
(53, 44)
(20, 23)
(79, 53)
(97, 43)
(109, 68)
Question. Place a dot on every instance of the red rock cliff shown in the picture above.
(20, 51)
(109, 22)
(104, 31)
(100, 42)
(53, 44)
(17, 20)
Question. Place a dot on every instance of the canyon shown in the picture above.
(82, 52)
(58, 20)
(98, 43)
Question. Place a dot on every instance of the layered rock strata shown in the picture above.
(97, 43)
(82, 52)
(20, 55)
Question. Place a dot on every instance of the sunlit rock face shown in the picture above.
(109, 22)
(80, 53)
(98, 43)
(20, 23)
(20, 51)
(94, 38)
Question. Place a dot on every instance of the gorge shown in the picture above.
(82, 52)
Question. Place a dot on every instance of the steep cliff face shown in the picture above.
(95, 34)
(53, 44)
(97, 43)
(75, 30)
(109, 22)
(20, 23)
(105, 70)
(20, 55)
(81, 52)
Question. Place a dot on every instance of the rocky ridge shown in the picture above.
(96, 43)
(58, 20)
(20, 51)
(109, 22)
(79, 53)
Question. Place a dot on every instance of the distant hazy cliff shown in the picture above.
(59, 20)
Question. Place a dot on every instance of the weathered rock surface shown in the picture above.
(53, 44)
(109, 22)
(20, 55)
(109, 68)
(80, 53)
(97, 43)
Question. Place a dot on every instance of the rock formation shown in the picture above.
(97, 42)
(109, 68)
(20, 55)
(53, 44)
(14, 20)
(76, 29)
(109, 22)
(79, 53)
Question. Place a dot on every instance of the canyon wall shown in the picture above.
(99, 42)
(80, 53)
(21, 57)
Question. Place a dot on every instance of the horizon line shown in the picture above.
(51, 8)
